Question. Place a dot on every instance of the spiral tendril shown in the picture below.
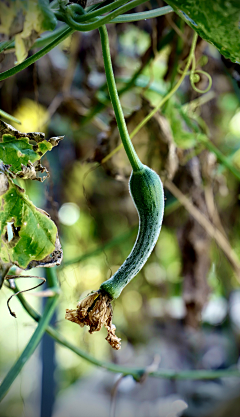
(195, 77)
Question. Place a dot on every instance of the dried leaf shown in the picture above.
(95, 311)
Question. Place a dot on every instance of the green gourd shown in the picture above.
(145, 188)
(147, 193)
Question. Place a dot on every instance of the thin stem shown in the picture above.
(12, 71)
(164, 100)
(130, 151)
(9, 117)
(33, 342)
(101, 105)
(134, 17)
(101, 10)
(40, 42)
(174, 89)
(146, 58)
(205, 141)
(73, 26)
(97, 22)
(222, 158)
(45, 39)
(137, 373)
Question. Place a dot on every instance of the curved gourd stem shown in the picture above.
(163, 101)
(130, 151)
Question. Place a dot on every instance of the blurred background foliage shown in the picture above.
(183, 308)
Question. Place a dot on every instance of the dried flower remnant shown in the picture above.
(95, 311)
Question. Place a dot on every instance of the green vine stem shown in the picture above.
(98, 21)
(101, 105)
(78, 16)
(150, 14)
(68, 31)
(40, 42)
(128, 146)
(12, 71)
(9, 117)
(136, 373)
(173, 90)
(6, 45)
(222, 158)
(36, 337)
(163, 101)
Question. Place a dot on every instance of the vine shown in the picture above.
(32, 240)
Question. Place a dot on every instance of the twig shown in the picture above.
(208, 226)
(114, 395)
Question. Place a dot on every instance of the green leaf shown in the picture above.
(28, 235)
(217, 21)
(22, 156)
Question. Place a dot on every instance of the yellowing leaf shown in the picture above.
(28, 235)
(26, 20)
